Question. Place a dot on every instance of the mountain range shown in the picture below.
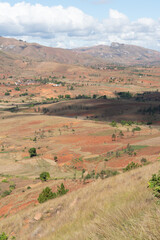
(97, 56)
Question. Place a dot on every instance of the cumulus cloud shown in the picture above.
(70, 27)
(41, 20)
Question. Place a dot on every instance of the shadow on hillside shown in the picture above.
(142, 108)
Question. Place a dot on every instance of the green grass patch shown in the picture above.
(4, 152)
(27, 157)
(138, 147)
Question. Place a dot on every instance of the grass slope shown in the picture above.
(118, 208)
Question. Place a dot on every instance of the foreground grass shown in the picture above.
(118, 208)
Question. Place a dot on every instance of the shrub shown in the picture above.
(106, 159)
(107, 173)
(7, 94)
(113, 137)
(131, 166)
(61, 190)
(125, 95)
(136, 129)
(23, 94)
(143, 160)
(46, 195)
(5, 181)
(113, 124)
(44, 176)
(88, 176)
(6, 193)
(12, 186)
(67, 96)
(3, 236)
(154, 184)
(32, 152)
(17, 89)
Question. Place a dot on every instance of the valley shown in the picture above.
(90, 122)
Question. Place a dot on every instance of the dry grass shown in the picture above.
(121, 207)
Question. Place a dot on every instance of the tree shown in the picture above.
(121, 134)
(61, 190)
(113, 137)
(44, 176)
(45, 195)
(83, 171)
(32, 152)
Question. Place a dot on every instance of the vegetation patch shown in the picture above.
(47, 193)
(154, 184)
(44, 176)
(131, 166)
(32, 152)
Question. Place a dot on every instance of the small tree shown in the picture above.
(121, 134)
(32, 152)
(83, 171)
(113, 137)
(61, 190)
(45, 195)
(44, 176)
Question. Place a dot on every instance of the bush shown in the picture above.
(143, 160)
(61, 190)
(136, 129)
(17, 89)
(125, 95)
(5, 181)
(12, 186)
(154, 184)
(32, 152)
(106, 173)
(44, 176)
(7, 94)
(6, 193)
(3, 236)
(131, 166)
(88, 176)
(113, 124)
(46, 195)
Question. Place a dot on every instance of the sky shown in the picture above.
(78, 23)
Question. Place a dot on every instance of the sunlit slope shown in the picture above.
(117, 208)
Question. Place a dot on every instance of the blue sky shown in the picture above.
(132, 8)
(75, 23)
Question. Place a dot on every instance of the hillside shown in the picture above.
(88, 122)
(118, 208)
(89, 56)
(42, 53)
(122, 54)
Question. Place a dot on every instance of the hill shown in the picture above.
(122, 54)
(42, 53)
(121, 207)
(101, 55)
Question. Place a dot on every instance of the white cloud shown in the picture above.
(41, 20)
(70, 27)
